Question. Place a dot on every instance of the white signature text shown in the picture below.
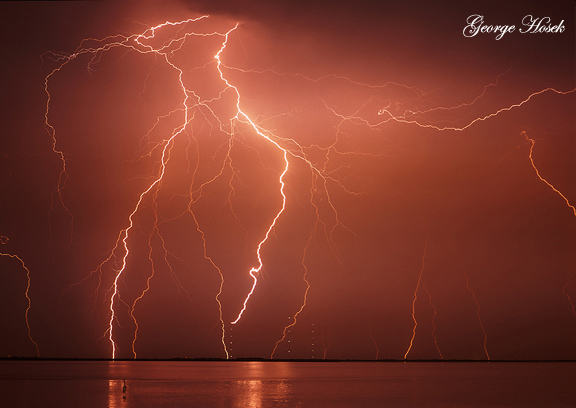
(530, 24)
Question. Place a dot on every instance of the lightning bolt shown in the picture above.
(155, 185)
(294, 319)
(63, 174)
(419, 282)
(433, 322)
(478, 317)
(558, 192)
(124, 234)
(325, 345)
(243, 117)
(422, 122)
(375, 342)
(532, 144)
(133, 43)
(4, 240)
(290, 151)
(138, 43)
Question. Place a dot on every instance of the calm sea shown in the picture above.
(265, 384)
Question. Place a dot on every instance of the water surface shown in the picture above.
(91, 384)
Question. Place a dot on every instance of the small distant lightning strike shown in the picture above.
(191, 106)
(565, 292)
(325, 344)
(478, 317)
(374, 341)
(416, 298)
(4, 240)
(294, 318)
(433, 322)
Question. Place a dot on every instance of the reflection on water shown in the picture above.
(257, 393)
(250, 394)
(177, 384)
(246, 384)
(118, 371)
(254, 393)
(117, 396)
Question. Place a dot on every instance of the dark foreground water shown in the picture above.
(175, 384)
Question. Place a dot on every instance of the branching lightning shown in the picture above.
(291, 152)
(135, 43)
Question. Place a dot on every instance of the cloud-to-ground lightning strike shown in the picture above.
(419, 282)
(157, 181)
(241, 116)
(135, 43)
(478, 316)
(294, 318)
(3, 241)
(532, 143)
(124, 234)
(433, 322)
(291, 153)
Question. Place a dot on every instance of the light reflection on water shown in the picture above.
(175, 384)
(252, 393)
(118, 371)
(116, 397)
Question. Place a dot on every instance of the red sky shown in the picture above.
(415, 223)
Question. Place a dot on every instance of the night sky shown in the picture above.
(420, 182)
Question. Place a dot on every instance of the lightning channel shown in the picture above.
(532, 144)
(416, 298)
(485, 342)
(288, 149)
(4, 240)
(243, 117)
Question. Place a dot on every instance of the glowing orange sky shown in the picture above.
(421, 218)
